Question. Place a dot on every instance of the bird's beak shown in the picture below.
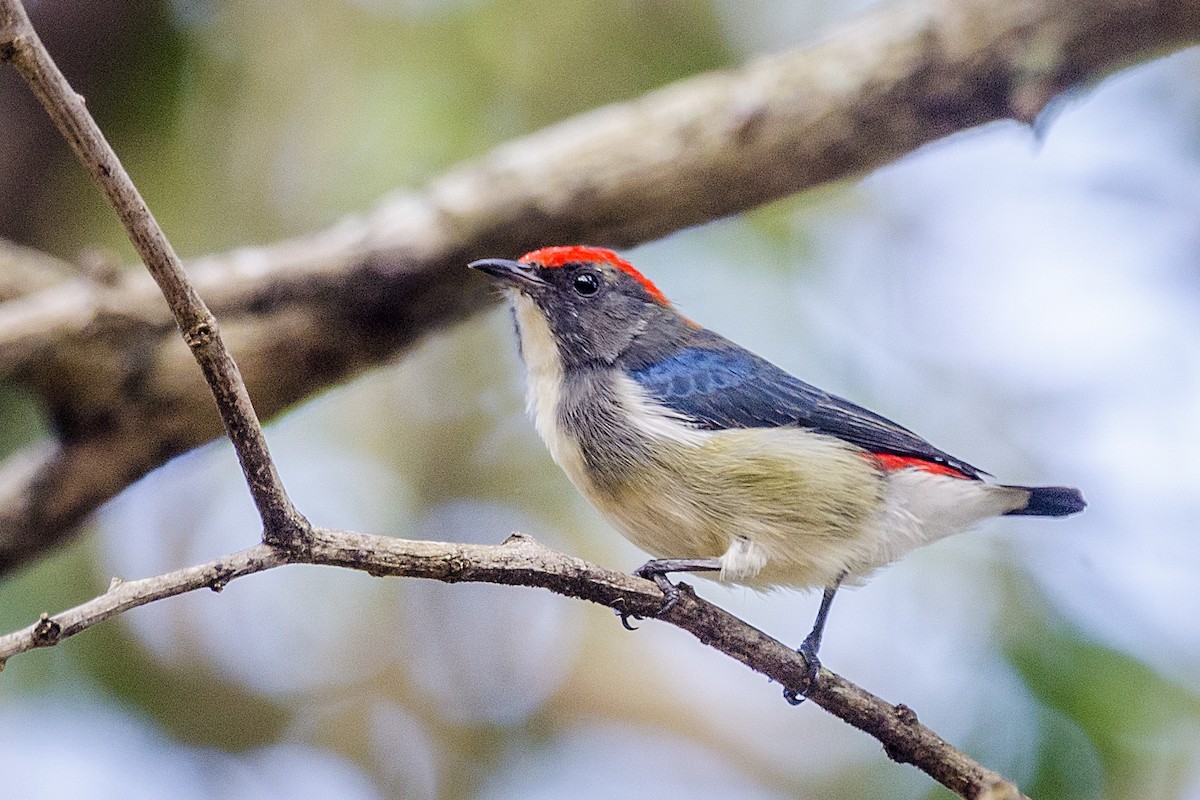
(510, 272)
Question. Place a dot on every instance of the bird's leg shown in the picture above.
(657, 569)
(812, 643)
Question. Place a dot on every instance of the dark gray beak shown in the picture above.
(510, 272)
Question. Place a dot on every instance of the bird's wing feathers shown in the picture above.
(733, 388)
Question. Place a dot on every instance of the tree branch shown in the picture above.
(24, 271)
(521, 561)
(23, 49)
(308, 313)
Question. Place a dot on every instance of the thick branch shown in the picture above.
(307, 313)
(521, 561)
(21, 47)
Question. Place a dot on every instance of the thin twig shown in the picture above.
(521, 561)
(21, 47)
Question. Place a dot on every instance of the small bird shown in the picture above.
(712, 459)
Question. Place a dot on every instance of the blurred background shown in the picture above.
(1029, 301)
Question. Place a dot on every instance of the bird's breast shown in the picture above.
(598, 424)
(544, 385)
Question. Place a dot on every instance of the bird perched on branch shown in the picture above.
(711, 458)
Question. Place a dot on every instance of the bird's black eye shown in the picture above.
(586, 283)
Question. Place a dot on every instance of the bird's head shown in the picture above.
(595, 305)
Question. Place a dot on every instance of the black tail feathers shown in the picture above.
(1050, 501)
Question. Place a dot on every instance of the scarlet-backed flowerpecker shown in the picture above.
(711, 458)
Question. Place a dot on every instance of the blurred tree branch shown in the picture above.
(305, 314)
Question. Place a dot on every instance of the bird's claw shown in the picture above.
(625, 617)
(670, 594)
(670, 591)
(809, 651)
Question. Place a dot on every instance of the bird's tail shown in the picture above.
(1049, 501)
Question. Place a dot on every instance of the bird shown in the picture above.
(714, 460)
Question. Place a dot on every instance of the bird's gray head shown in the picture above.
(599, 309)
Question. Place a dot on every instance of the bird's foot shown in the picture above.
(670, 591)
(808, 649)
(652, 570)
(656, 570)
(811, 644)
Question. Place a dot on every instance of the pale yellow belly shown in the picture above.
(791, 509)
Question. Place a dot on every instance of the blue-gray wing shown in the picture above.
(733, 388)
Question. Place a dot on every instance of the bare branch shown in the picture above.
(521, 561)
(310, 312)
(21, 47)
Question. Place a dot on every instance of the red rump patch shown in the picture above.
(894, 463)
(575, 254)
